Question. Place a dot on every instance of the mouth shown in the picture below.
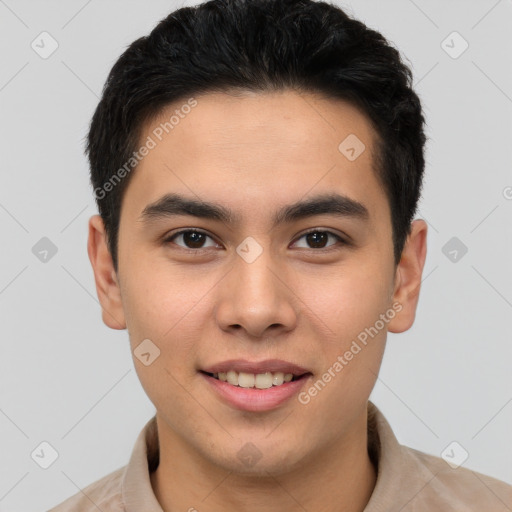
(255, 386)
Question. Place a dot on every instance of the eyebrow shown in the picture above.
(171, 205)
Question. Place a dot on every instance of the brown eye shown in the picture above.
(317, 239)
(191, 238)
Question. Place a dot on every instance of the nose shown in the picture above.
(256, 297)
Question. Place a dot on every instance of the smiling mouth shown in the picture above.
(257, 381)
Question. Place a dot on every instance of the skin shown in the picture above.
(254, 153)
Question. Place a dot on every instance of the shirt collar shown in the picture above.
(137, 493)
(394, 468)
(397, 469)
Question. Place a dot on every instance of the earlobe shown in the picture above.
(408, 277)
(107, 286)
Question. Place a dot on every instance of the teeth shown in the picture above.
(232, 378)
(246, 380)
(250, 380)
(278, 378)
(262, 380)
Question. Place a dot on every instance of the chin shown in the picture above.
(258, 460)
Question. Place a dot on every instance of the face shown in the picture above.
(262, 279)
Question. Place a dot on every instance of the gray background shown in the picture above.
(67, 379)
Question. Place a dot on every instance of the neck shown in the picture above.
(340, 478)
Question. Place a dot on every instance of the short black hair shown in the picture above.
(260, 45)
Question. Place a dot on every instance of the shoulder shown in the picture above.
(414, 481)
(105, 494)
(461, 488)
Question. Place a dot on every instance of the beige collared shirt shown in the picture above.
(407, 480)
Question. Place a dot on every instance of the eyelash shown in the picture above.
(314, 230)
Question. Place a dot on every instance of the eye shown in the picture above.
(319, 238)
(192, 238)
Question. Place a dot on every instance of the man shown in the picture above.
(257, 166)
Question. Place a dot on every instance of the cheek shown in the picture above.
(167, 310)
(352, 353)
(158, 297)
(163, 308)
(352, 348)
(353, 297)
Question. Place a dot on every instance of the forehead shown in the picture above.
(257, 148)
(265, 120)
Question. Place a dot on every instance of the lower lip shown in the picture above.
(253, 399)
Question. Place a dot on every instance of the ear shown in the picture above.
(107, 286)
(408, 277)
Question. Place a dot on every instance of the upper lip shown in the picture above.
(268, 365)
